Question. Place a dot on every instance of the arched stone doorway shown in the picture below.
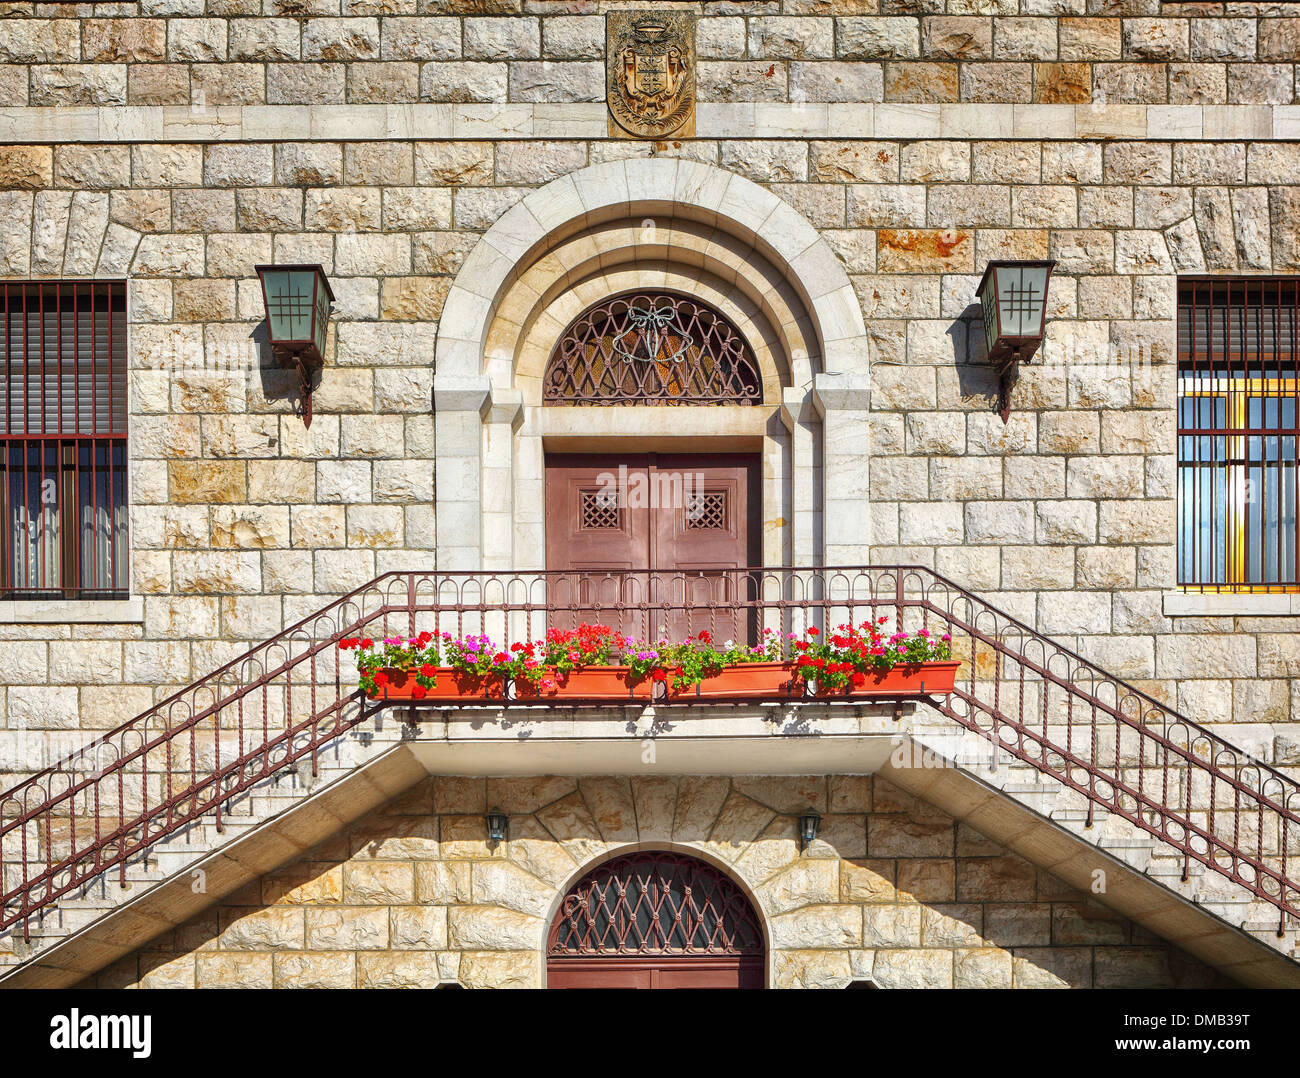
(673, 227)
(655, 919)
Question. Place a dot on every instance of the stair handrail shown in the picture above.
(1130, 689)
(1273, 790)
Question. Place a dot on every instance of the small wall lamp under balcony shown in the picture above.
(809, 822)
(497, 823)
(297, 300)
(1013, 296)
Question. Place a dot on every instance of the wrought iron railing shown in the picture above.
(195, 754)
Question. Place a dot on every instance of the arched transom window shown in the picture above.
(652, 348)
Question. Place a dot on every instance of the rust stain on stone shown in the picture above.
(920, 249)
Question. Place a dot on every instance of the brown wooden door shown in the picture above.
(723, 971)
(690, 518)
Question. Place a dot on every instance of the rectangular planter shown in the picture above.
(451, 685)
(922, 679)
(601, 683)
(747, 681)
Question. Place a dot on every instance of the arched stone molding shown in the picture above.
(679, 225)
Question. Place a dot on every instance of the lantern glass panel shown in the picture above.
(988, 302)
(1022, 296)
(808, 824)
(289, 295)
(321, 325)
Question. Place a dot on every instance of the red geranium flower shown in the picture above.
(419, 692)
(812, 630)
(381, 679)
(428, 670)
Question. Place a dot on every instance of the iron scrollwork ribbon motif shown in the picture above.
(652, 348)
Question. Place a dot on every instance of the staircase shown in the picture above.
(281, 736)
(1073, 837)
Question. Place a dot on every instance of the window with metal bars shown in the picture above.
(63, 440)
(1238, 430)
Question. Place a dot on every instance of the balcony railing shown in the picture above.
(194, 754)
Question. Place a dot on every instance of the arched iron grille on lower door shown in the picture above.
(655, 920)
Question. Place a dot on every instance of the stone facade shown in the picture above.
(892, 891)
(243, 521)
(165, 53)
(178, 143)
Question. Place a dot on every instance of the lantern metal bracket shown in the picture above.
(1008, 376)
(304, 363)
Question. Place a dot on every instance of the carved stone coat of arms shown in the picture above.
(650, 73)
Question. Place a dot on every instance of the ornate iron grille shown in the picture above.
(600, 510)
(652, 348)
(655, 903)
(707, 511)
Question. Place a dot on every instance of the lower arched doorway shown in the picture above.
(655, 919)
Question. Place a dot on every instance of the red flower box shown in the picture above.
(608, 683)
(919, 679)
(746, 681)
(451, 684)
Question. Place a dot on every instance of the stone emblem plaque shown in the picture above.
(650, 73)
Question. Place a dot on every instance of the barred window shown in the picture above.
(63, 440)
(1238, 426)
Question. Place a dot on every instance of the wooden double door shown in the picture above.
(671, 532)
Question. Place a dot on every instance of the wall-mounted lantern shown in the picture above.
(810, 821)
(297, 300)
(1013, 296)
(497, 824)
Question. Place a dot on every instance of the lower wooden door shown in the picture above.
(724, 971)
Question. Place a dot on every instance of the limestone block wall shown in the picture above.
(893, 891)
(298, 52)
(243, 520)
(177, 143)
